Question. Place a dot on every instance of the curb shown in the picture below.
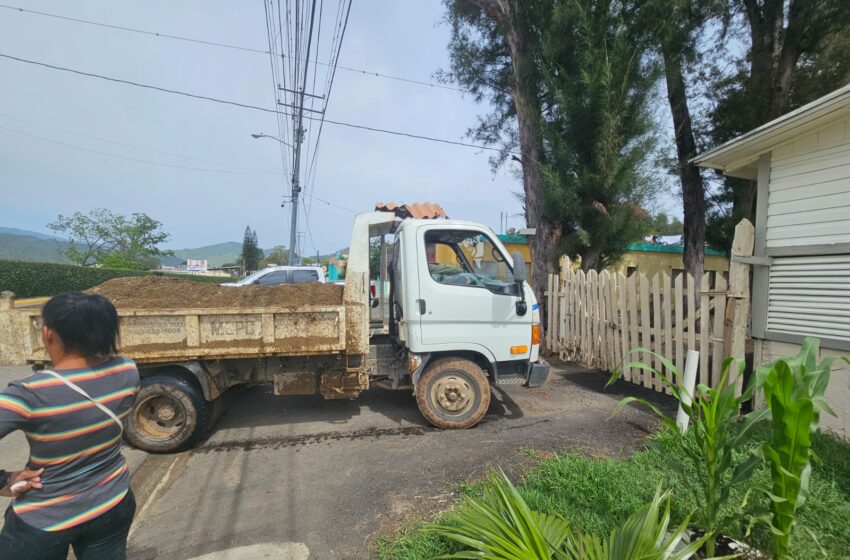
(147, 475)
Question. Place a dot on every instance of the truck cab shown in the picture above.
(460, 307)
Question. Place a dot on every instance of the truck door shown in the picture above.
(467, 294)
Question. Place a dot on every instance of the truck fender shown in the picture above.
(422, 360)
(417, 363)
(195, 371)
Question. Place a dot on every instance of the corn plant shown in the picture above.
(718, 431)
(501, 526)
(793, 390)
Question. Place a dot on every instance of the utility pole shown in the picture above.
(296, 184)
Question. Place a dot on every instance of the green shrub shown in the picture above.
(31, 279)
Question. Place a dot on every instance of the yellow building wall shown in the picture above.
(445, 255)
(650, 263)
(522, 248)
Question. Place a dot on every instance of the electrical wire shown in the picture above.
(310, 171)
(138, 160)
(245, 105)
(222, 45)
(275, 85)
(135, 147)
(337, 41)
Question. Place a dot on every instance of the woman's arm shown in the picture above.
(14, 415)
(14, 408)
(15, 483)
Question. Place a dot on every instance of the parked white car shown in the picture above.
(277, 275)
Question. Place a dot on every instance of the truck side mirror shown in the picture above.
(520, 277)
(520, 271)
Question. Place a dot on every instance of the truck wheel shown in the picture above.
(169, 414)
(453, 394)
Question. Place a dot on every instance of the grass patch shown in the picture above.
(596, 495)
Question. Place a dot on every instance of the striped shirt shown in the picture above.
(75, 442)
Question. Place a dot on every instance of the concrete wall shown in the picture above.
(838, 393)
(651, 263)
(523, 250)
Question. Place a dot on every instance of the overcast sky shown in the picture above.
(356, 168)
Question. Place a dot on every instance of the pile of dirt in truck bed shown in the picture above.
(157, 292)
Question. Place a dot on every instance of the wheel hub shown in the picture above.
(453, 394)
(165, 413)
(160, 417)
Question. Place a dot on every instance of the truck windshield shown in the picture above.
(468, 258)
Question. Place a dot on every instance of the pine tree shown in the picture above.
(250, 251)
(599, 131)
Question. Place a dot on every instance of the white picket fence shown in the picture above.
(596, 319)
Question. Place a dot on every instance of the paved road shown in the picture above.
(325, 477)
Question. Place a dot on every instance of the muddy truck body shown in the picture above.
(449, 313)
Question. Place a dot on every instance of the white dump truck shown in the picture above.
(451, 312)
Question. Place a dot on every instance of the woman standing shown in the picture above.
(71, 416)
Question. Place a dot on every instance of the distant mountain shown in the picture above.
(24, 245)
(17, 231)
(215, 255)
(27, 247)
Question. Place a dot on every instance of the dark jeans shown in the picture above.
(102, 538)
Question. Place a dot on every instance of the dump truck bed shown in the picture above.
(155, 335)
(165, 319)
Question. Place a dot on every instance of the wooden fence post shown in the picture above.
(738, 303)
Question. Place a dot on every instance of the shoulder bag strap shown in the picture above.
(79, 390)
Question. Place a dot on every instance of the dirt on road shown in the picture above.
(158, 292)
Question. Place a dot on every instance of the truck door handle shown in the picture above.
(421, 303)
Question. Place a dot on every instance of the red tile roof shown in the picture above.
(414, 210)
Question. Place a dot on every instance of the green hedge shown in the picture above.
(31, 279)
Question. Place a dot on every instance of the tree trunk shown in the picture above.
(590, 259)
(776, 45)
(693, 189)
(524, 93)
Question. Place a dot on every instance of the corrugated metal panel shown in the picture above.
(809, 191)
(810, 296)
(413, 210)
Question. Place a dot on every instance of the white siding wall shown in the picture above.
(809, 191)
(808, 294)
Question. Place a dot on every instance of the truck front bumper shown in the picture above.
(537, 373)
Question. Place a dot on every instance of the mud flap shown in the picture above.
(537, 374)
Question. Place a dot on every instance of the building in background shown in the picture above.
(650, 259)
(196, 265)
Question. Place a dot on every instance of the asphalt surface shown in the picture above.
(321, 479)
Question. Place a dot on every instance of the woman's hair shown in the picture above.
(87, 324)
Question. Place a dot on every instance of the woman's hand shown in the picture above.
(21, 482)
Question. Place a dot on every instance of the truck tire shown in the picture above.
(453, 394)
(169, 414)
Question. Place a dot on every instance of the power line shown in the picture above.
(138, 160)
(135, 147)
(244, 105)
(137, 84)
(314, 197)
(223, 45)
(327, 95)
